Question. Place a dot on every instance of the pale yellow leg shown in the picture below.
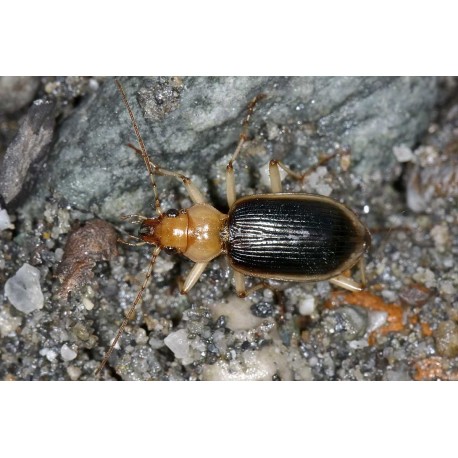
(346, 283)
(275, 179)
(193, 276)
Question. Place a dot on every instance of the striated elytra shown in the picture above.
(301, 237)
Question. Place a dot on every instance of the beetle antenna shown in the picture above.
(130, 312)
(150, 165)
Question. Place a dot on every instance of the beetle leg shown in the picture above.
(119, 240)
(230, 185)
(300, 176)
(154, 169)
(275, 179)
(193, 276)
(230, 179)
(239, 279)
(193, 191)
(240, 288)
(246, 123)
(135, 219)
(362, 268)
(346, 283)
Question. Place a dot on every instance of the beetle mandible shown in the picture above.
(281, 236)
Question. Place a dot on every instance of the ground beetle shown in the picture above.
(282, 236)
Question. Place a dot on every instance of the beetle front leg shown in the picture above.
(194, 193)
(193, 275)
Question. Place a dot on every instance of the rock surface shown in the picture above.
(393, 127)
(200, 121)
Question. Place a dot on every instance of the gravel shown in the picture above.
(401, 134)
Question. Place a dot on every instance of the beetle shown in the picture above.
(281, 236)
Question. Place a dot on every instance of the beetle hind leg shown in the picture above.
(350, 284)
(346, 283)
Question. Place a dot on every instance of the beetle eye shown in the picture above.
(172, 213)
(170, 250)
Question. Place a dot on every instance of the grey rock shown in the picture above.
(28, 147)
(190, 124)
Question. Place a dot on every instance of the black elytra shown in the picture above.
(280, 235)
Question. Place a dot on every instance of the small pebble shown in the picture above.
(5, 222)
(67, 353)
(8, 323)
(74, 372)
(307, 305)
(376, 320)
(49, 354)
(23, 289)
(447, 287)
(238, 313)
(264, 364)
(355, 322)
(403, 153)
(179, 343)
(415, 295)
(441, 237)
(425, 276)
(88, 304)
(262, 309)
(446, 338)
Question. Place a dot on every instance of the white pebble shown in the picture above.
(324, 189)
(376, 319)
(447, 288)
(23, 289)
(50, 354)
(441, 236)
(67, 353)
(253, 365)
(88, 304)
(403, 153)
(178, 342)
(74, 372)
(307, 305)
(58, 254)
(8, 323)
(5, 222)
(140, 336)
(425, 276)
(238, 313)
